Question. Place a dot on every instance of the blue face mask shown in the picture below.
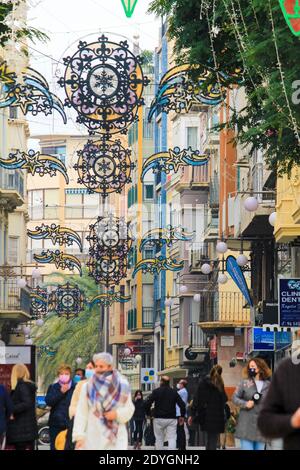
(89, 373)
(76, 378)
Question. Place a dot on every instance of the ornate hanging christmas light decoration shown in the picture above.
(60, 259)
(291, 12)
(104, 166)
(67, 300)
(156, 265)
(35, 163)
(57, 234)
(109, 298)
(129, 6)
(173, 160)
(178, 93)
(108, 271)
(158, 237)
(31, 94)
(39, 303)
(104, 83)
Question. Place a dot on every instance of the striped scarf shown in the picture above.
(105, 393)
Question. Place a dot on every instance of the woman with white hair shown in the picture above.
(104, 408)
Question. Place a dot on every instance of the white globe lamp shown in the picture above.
(221, 247)
(36, 273)
(28, 341)
(251, 204)
(272, 219)
(127, 352)
(26, 330)
(206, 268)
(242, 260)
(222, 278)
(39, 322)
(138, 358)
(183, 289)
(21, 283)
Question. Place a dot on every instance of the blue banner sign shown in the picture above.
(283, 339)
(237, 275)
(263, 340)
(289, 302)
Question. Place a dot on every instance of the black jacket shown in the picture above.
(5, 408)
(139, 410)
(23, 428)
(165, 400)
(280, 403)
(210, 399)
(59, 403)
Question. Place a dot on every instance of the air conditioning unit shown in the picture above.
(189, 355)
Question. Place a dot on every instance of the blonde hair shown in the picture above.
(19, 372)
(64, 368)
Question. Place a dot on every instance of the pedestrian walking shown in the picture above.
(22, 430)
(138, 418)
(280, 412)
(6, 408)
(58, 397)
(104, 408)
(182, 430)
(165, 400)
(208, 408)
(249, 396)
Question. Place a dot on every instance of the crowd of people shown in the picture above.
(92, 410)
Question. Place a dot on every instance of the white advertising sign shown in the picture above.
(227, 341)
(15, 355)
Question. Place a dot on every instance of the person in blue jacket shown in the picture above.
(58, 398)
(6, 409)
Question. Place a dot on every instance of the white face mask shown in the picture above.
(178, 386)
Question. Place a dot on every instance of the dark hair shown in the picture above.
(165, 380)
(216, 377)
(264, 370)
(184, 382)
(81, 370)
(92, 362)
(138, 392)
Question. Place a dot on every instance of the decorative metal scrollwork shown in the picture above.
(104, 166)
(109, 298)
(35, 163)
(173, 160)
(57, 234)
(67, 300)
(158, 237)
(31, 96)
(104, 83)
(156, 265)
(39, 303)
(60, 259)
(107, 270)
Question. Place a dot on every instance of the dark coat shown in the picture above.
(280, 403)
(165, 400)
(5, 408)
(210, 398)
(139, 410)
(59, 403)
(23, 428)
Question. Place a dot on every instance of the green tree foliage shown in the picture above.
(79, 336)
(244, 38)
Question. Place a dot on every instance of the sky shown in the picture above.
(66, 22)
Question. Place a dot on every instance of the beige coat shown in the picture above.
(75, 398)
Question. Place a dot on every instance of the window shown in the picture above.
(148, 253)
(13, 248)
(91, 205)
(192, 137)
(58, 151)
(13, 112)
(36, 203)
(51, 201)
(74, 207)
(148, 192)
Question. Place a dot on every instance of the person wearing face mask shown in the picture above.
(79, 375)
(88, 373)
(249, 396)
(104, 408)
(139, 417)
(182, 431)
(58, 397)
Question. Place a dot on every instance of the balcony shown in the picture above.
(214, 192)
(198, 339)
(193, 178)
(144, 325)
(198, 255)
(212, 226)
(224, 309)
(11, 189)
(14, 302)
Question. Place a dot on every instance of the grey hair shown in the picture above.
(105, 357)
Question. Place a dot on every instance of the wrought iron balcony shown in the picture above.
(198, 339)
(228, 308)
(148, 317)
(11, 189)
(198, 256)
(13, 300)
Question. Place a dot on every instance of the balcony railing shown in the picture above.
(214, 192)
(13, 299)
(198, 255)
(225, 307)
(148, 317)
(197, 337)
(12, 181)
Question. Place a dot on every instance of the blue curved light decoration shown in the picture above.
(156, 265)
(109, 298)
(60, 259)
(32, 96)
(173, 160)
(165, 236)
(56, 233)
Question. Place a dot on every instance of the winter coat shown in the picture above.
(5, 408)
(139, 410)
(165, 400)
(23, 428)
(247, 420)
(89, 428)
(281, 402)
(59, 403)
(212, 401)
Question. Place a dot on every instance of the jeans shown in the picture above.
(252, 445)
(181, 439)
(138, 430)
(211, 440)
(165, 430)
